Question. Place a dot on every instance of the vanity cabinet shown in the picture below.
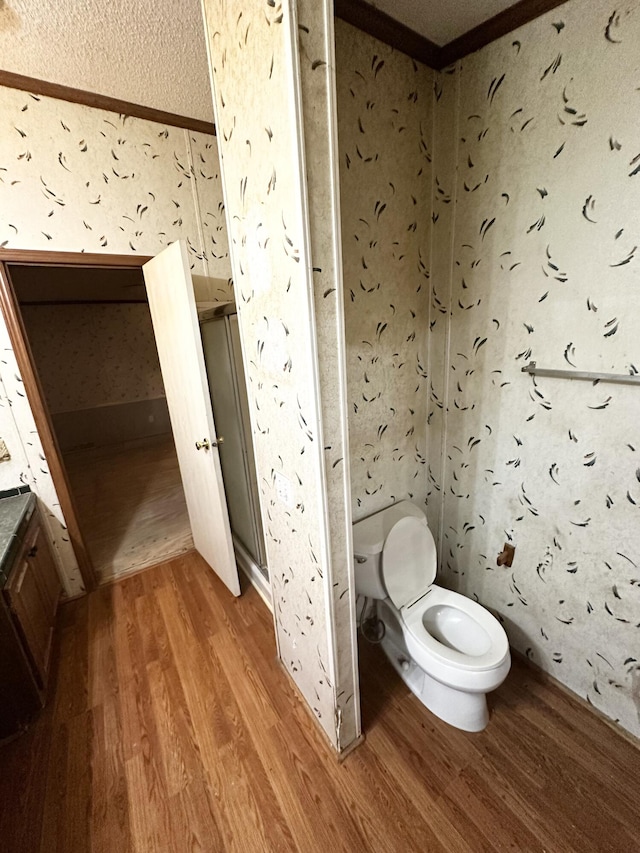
(29, 593)
(32, 592)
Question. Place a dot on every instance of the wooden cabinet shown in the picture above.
(32, 592)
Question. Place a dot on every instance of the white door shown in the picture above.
(175, 323)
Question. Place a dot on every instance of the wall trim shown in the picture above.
(42, 419)
(370, 20)
(378, 24)
(36, 257)
(301, 193)
(33, 389)
(504, 22)
(447, 339)
(102, 102)
(343, 395)
(359, 13)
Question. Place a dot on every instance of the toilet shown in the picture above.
(448, 649)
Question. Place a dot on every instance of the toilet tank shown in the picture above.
(369, 536)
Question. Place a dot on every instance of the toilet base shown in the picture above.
(466, 711)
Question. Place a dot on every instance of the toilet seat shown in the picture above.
(409, 560)
(426, 648)
(447, 649)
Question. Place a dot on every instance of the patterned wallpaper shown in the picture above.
(532, 214)
(259, 132)
(385, 128)
(73, 178)
(523, 246)
(318, 87)
(546, 268)
(13, 470)
(94, 355)
(442, 221)
(106, 183)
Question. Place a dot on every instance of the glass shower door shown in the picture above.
(220, 341)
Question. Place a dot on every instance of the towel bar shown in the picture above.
(623, 378)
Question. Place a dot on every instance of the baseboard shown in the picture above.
(544, 677)
(253, 573)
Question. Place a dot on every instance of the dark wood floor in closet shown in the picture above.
(172, 728)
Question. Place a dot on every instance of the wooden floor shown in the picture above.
(131, 504)
(172, 728)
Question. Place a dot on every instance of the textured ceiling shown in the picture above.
(441, 21)
(150, 52)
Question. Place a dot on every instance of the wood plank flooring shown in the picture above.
(173, 728)
(130, 504)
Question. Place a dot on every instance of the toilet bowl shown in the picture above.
(448, 649)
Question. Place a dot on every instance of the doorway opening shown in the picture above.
(91, 343)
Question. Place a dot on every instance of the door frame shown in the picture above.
(33, 389)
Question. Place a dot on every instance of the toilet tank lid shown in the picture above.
(369, 535)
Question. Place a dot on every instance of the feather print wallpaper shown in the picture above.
(107, 183)
(546, 267)
(385, 131)
(78, 179)
(260, 133)
(16, 418)
(442, 221)
(94, 355)
(525, 237)
(489, 218)
(13, 470)
(318, 88)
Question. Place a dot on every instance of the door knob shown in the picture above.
(205, 445)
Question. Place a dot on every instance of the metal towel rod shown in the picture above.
(624, 378)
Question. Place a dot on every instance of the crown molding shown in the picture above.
(102, 102)
(385, 28)
(504, 22)
(359, 13)
(366, 17)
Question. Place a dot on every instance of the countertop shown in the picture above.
(15, 513)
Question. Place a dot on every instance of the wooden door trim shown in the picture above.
(42, 419)
(34, 257)
(33, 388)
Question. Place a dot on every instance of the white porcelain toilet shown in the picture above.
(448, 649)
